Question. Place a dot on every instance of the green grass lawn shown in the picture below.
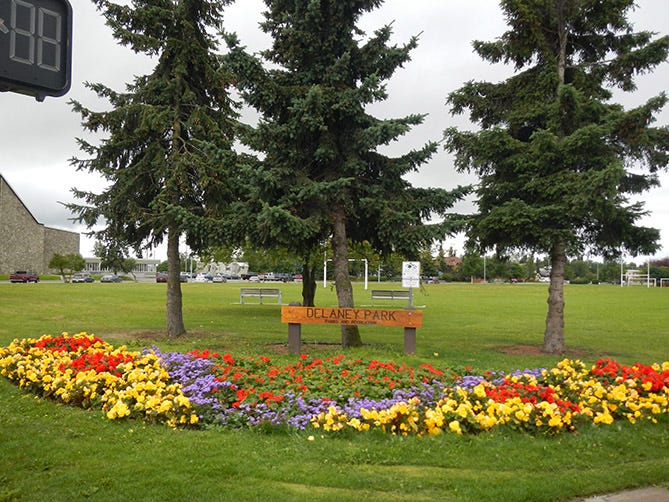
(50, 451)
(465, 324)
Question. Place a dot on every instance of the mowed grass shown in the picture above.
(54, 452)
(477, 325)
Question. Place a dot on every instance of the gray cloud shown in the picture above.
(39, 138)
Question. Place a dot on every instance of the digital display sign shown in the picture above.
(35, 47)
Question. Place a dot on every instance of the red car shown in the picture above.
(23, 276)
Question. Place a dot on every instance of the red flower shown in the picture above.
(642, 374)
(67, 343)
(98, 361)
(431, 369)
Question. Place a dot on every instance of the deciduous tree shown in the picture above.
(67, 264)
(114, 259)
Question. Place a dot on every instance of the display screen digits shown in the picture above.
(48, 40)
(35, 46)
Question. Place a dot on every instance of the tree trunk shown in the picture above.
(554, 334)
(175, 322)
(561, 8)
(350, 335)
(308, 282)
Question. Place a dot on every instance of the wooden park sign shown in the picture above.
(295, 316)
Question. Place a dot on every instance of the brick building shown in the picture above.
(25, 243)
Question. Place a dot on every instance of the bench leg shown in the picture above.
(409, 340)
(294, 338)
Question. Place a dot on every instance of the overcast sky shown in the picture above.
(38, 139)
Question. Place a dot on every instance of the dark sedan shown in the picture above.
(111, 278)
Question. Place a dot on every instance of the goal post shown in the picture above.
(636, 278)
(325, 270)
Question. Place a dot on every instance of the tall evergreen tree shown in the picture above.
(558, 161)
(168, 157)
(322, 176)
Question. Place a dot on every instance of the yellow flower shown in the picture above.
(119, 410)
(603, 418)
(618, 393)
(486, 421)
(455, 427)
(355, 423)
(555, 421)
(462, 410)
(479, 391)
(165, 406)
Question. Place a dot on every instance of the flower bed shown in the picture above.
(208, 389)
(83, 370)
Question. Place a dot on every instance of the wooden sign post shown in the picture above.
(295, 316)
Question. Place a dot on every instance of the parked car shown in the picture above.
(219, 278)
(82, 277)
(183, 276)
(23, 276)
(111, 278)
(161, 277)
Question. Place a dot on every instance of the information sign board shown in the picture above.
(411, 274)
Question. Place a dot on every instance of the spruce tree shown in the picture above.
(322, 176)
(559, 162)
(167, 156)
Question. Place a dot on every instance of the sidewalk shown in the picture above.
(653, 494)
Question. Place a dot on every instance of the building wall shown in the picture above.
(59, 241)
(143, 267)
(26, 244)
(230, 269)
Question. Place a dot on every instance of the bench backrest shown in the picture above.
(383, 293)
(260, 291)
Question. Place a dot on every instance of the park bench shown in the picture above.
(389, 294)
(260, 293)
